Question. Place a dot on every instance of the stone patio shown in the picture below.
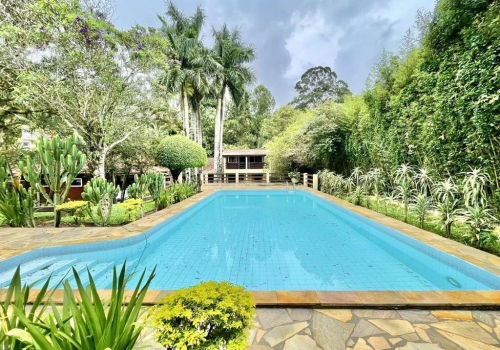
(368, 329)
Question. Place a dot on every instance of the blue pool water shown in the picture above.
(265, 240)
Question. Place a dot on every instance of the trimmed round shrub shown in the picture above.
(178, 153)
(209, 315)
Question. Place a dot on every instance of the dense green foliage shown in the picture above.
(434, 105)
(208, 316)
(178, 153)
(84, 323)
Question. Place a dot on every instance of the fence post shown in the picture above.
(305, 179)
(237, 178)
(268, 178)
(315, 182)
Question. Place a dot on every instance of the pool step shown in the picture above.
(96, 271)
(105, 280)
(80, 267)
(27, 268)
(43, 274)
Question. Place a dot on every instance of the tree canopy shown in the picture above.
(178, 153)
(317, 85)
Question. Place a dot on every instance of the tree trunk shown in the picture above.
(200, 129)
(217, 148)
(186, 113)
(194, 126)
(175, 174)
(221, 132)
(101, 171)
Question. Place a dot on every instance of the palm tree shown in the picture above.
(189, 72)
(233, 56)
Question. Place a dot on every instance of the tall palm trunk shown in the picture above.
(200, 129)
(194, 126)
(217, 138)
(186, 112)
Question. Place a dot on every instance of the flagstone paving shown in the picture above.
(345, 329)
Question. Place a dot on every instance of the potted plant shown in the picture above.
(294, 176)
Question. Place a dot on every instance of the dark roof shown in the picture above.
(245, 152)
(209, 166)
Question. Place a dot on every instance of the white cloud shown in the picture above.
(313, 42)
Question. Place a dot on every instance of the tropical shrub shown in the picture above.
(88, 322)
(178, 153)
(208, 316)
(421, 207)
(77, 209)
(100, 195)
(16, 203)
(58, 164)
(480, 223)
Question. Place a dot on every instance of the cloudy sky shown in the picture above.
(291, 36)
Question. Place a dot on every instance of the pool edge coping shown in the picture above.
(321, 299)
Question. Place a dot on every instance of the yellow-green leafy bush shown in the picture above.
(209, 316)
(132, 206)
(75, 209)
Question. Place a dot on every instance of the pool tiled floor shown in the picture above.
(368, 329)
(14, 241)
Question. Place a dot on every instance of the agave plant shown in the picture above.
(479, 220)
(88, 323)
(445, 190)
(423, 182)
(474, 187)
(356, 176)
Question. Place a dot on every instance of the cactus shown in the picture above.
(139, 188)
(59, 164)
(16, 202)
(100, 194)
(156, 185)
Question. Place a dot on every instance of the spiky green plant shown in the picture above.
(155, 185)
(16, 202)
(480, 222)
(88, 322)
(445, 193)
(405, 186)
(139, 188)
(12, 328)
(58, 164)
(423, 182)
(100, 195)
(421, 207)
(474, 187)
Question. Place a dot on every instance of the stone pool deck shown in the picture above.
(354, 329)
(15, 241)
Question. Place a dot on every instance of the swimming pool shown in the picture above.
(264, 240)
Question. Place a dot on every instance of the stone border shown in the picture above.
(37, 238)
